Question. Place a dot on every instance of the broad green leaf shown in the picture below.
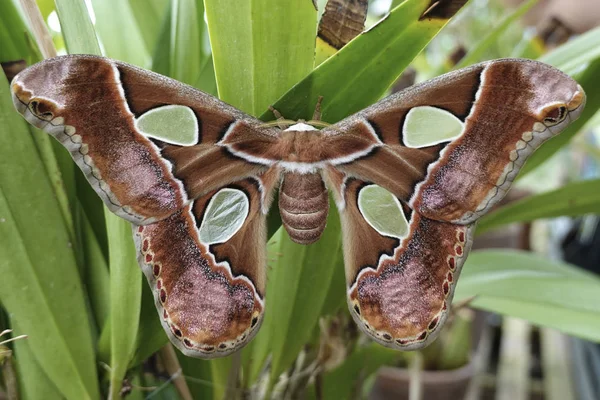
(119, 33)
(198, 376)
(527, 286)
(590, 81)
(363, 70)
(77, 29)
(125, 298)
(574, 199)
(187, 40)
(33, 381)
(13, 40)
(476, 53)
(149, 15)
(151, 336)
(299, 279)
(37, 263)
(260, 48)
(341, 382)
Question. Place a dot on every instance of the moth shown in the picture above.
(410, 176)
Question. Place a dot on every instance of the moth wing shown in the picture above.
(403, 256)
(401, 267)
(206, 267)
(146, 143)
(451, 147)
(152, 149)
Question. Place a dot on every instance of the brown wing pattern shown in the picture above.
(90, 105)
(399, 288)
(208, 278)
(508, 107)
(210, 296)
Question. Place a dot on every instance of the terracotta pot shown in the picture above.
(393, 383)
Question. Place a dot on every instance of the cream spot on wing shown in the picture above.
(171, 124)
(382, 211)
(224, 216)
(426, 126)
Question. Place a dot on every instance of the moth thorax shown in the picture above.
(303, 205)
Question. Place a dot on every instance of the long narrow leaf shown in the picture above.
(528, 286)
(40, 283)
(77, 28)
(299, 278)
(577, 52)
(114, 22)
(187, 57)
(125, 276)
(34, 383)
(260, 48)
(125, 299)
(574, 199)
(476, 53)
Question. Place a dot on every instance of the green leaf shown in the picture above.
(187, 40)
(476, 53)
(574, 199)
(527, 286)
(590, 81)
(13, 33)
(95, 274)
(260, 48)
(299, 280)
(151, 335)
(77, 28)
(149, 15)
(40, 283)
(363, 70)
(198, 376)
(125, 298)
(33, 381)
(119, 33)
(219, 370)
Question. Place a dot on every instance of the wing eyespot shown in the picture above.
(555, 115)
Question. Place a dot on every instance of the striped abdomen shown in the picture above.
(303, 205)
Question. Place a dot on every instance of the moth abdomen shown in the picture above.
(303, 205)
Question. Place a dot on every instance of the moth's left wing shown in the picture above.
(446, 151)
(150, 147)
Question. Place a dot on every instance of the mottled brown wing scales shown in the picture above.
(507, 109)
(210, 297)
(475, 170)
(140, 179)
(400, 288)
(96, 126)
